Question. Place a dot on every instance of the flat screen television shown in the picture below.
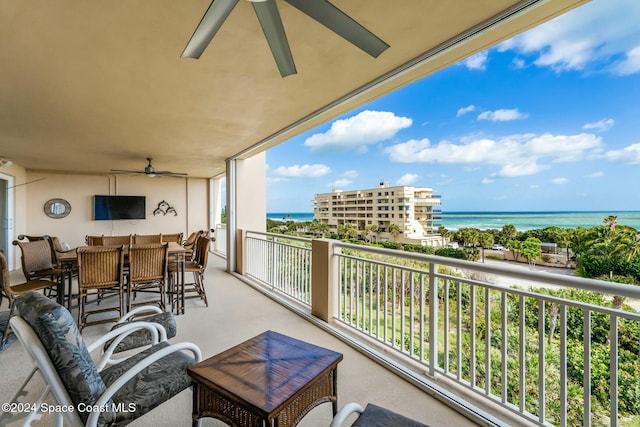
(118, 207)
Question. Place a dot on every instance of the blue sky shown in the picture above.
(546, 121)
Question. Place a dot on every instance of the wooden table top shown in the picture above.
(174, 248)
(266, 370)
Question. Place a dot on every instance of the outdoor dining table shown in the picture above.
(69, 262)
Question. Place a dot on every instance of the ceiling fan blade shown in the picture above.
(269, 18)
(124, 171)
(211, 22)
(170, 173)
(341, 24)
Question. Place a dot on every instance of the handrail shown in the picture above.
(595, 285)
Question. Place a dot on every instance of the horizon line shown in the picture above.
(501, 212)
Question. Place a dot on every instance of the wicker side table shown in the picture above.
(269, 380)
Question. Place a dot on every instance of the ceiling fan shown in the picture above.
(151, 172)
(267, 11)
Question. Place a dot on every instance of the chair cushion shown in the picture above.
(59, 334)
(375, 416)
(152, 386)
(142, 337)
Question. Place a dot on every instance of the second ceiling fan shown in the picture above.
(150, 171)
(267, 11)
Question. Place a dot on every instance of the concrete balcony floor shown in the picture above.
(237, 312)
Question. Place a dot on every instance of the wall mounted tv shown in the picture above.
(118, 207)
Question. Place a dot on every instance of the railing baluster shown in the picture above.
(378, 297)
(433, 317)
(613, 372)
(487, 340)
(370, 298)
(522, 357)
(422, 319)
(586, 382)
(563, 365)
(393, 308)
(472, 314)
(412, 314)
(402, 310)
(541, 362)
(446, 315)
(386, 303)
(459, 332)
(359, 321)
(351, 293)
(504, 346)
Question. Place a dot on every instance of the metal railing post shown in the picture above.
(433, 318)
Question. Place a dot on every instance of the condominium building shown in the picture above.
(414, 210)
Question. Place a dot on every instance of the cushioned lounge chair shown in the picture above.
(127, 389)
(372, 416)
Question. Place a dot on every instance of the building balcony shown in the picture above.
(426, 201)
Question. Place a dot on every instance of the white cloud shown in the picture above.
(355, 133)
(629, 65)
(276, 180)
(502, 115)
(350, 174)
(598, 174)
(465, 110)
(304, 171)
(407, 179)
(477, 61)
(518, 63)
(515, 155)
(340, 183)
(629, 155)
(560, 181)
(601, 125)
(488, 181)
(598, 31)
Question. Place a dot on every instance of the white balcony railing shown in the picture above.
(220, 244)
(521, 349)
(281, 262)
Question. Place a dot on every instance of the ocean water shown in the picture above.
(521, 220)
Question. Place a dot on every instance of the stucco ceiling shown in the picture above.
(89, 86)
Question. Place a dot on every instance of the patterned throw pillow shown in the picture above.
(143, 337)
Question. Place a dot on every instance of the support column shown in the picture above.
(246, 200)
(324, 279)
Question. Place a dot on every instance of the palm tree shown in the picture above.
(486, 241)
(611, 221)
(442, 230)
(630, 243)
(370, 229)
(394, 229)
(508, 232)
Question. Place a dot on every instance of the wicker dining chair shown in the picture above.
(141, 239)
(198, 267)
(100, 273)
(147, 271)
(190, 243)
(93, 240)
(174, 237)
(125, 240)
(9, 291)
(38, 262)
